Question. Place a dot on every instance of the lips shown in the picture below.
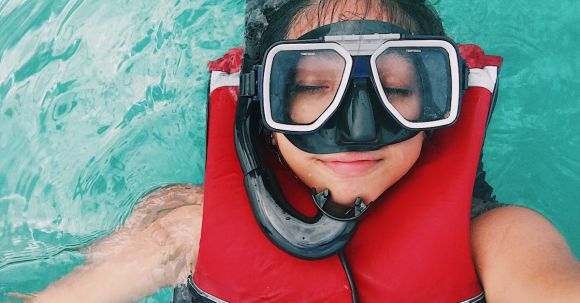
(350, 164)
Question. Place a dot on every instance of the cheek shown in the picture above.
(297, 160)
(306, 111)
(410, 107)
(399, 159)
(410, 150)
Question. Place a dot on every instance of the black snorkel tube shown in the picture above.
(307, 238)
(296, 234)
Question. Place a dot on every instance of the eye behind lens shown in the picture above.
(403, 92)
(310, 89)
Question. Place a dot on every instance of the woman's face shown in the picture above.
(351, 174)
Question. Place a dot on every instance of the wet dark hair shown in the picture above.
(416, 16)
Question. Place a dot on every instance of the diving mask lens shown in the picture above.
(304, 85)
(419, 85)
(310, 87)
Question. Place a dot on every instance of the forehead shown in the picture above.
(317, 15)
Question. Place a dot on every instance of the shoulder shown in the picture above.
(510, 223)
(171, 217)
(178, 193)
(161, 235)
(518, 252)
(158, 202)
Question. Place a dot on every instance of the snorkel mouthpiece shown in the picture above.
(336, 211)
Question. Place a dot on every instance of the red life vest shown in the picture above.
(413, 245)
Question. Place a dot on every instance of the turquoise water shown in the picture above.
(102, 101)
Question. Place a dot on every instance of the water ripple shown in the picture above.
(93, 115)
(44, 56)
(24, 19)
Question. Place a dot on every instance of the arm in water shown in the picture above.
(521, 257)
(156, 247)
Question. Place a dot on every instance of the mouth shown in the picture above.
(351, 164)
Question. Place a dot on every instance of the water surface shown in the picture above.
(103, 101)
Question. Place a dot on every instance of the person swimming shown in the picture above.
(357, 169)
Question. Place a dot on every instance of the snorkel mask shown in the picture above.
(347, 86)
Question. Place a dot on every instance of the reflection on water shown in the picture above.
(101, 102)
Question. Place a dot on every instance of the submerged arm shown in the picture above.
(157, 247)
(521, 257)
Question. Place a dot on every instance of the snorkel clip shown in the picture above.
(250, 83)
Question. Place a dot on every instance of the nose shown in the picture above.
(357, 119)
